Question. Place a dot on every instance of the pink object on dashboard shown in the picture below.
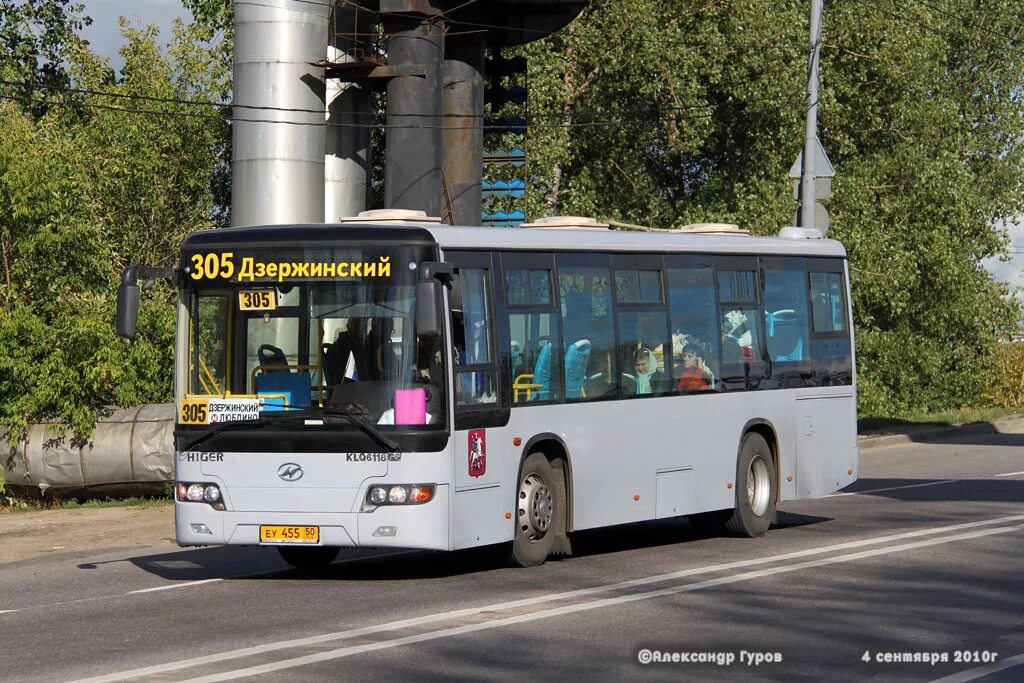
(411, 406)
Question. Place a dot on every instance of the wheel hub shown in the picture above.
(758, 486)
(536, 507)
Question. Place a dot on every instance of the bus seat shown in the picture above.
(576, 359)
(294, 386)
(797, 352)
(272, 359)
(542, 374)
(787, 340)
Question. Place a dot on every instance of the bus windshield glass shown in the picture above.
(305, 330)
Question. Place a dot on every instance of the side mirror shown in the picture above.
(429, 297)
(429, 323)
(127, 304)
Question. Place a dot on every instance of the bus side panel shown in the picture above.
(826, 444)
(486, 468)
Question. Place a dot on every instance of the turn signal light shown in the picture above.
(421, 494)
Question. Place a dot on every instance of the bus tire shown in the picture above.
(539, 503)
(316, 557)
(755, 489)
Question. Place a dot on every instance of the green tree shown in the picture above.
(98, 181)
(34, 37)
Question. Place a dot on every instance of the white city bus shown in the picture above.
(407, 384)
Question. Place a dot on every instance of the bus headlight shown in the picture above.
(398, 494)
(211, 494)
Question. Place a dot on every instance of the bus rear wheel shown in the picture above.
(755, 489)
(316, 557)
(538, 505)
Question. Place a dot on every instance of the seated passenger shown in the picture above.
(646, 378)
(693, 376)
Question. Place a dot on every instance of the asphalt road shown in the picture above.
(920, 560)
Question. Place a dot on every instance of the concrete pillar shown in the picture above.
(463, 135)
(412, 177)
(348, 159)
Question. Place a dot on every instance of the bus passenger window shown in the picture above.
(638, 286)
(693, 319)
(739, 321)
(536, 352)
(584, 287)
(827, 302)
(741, 338)
(644, 340)
(785, 310)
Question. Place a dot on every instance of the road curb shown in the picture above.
(868, 442)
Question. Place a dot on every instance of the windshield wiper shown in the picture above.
(367, 428)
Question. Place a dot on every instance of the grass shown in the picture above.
(946, 418)
(9, 504)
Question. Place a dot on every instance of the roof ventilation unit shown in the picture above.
(566, 223)
(714, 229)
(391, 217)
(793, 233)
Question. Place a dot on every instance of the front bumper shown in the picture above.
(415, 526)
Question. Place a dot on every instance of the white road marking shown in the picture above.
(1009, 474)
(173, 585)
(7, 611)
(981, 671)
(583, 607)
(537, 600)
(893, 488)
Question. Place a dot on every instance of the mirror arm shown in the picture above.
(431, 270)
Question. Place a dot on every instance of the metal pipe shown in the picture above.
(808, 198)
(278, 153)
(463, 135)
(412, 176)
(348, 161)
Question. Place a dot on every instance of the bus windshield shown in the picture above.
(339, 335)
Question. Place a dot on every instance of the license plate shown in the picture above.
(289, 534)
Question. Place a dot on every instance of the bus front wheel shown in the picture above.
(755, 489)
(538, 504)
(316, 557)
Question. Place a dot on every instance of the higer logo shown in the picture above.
(290, 471)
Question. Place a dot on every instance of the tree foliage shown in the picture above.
(34, 35)
(920, 113)
(92, 184)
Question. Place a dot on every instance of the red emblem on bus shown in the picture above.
(477, 452)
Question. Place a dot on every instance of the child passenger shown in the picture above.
(692, 377)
